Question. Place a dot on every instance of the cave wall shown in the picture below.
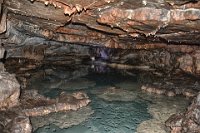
(156, 33)
(107, 22)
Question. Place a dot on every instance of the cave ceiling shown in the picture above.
(110, 23)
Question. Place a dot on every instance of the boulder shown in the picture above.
(11, 122)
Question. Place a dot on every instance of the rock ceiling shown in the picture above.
(110, 23)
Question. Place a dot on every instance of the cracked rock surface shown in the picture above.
(79, 21)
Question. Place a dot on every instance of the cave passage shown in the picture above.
(99, 66)
(117, 102)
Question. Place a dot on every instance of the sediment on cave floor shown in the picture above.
(99, 66)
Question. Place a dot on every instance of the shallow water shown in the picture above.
(121, 112)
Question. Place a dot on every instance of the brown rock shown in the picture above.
(34, 104)
(187, 122)
(170, 93)
(11, 122)
(186, 63)
(21, 124)
(197, 61)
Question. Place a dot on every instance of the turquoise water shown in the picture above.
(112, 113)
(113, 117)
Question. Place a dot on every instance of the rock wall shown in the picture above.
(80, 22)
(187, 122)
(160, 34)
(155, 33)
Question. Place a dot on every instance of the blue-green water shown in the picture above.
(110, 115)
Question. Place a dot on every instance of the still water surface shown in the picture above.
(122, 111)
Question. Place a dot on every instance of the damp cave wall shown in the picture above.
(162, 34)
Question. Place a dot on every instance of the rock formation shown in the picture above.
(32, 104)
(161, 36)
(116, 94)
(10, 90)
(187, 122)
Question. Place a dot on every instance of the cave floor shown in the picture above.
(118, 104)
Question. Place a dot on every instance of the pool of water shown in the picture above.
(124, 110)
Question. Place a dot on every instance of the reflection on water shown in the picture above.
(118, 105)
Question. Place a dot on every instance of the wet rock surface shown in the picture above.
(160, 112)
(158, 36)
(168, 20)
(16, 120)
(171, 86)
(168, 59)
(151, 126)
(62, 119)
(116, 94)
(11, 122)
(72, 84)
(9, 90)
(188, 121)
(37, 105)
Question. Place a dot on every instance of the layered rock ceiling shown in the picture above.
(111, 23)
(159, 36)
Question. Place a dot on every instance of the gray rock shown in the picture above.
(11, 122)
(9, 90)
(2, 68)
(2, 51)
(21, 124)
(198, 99)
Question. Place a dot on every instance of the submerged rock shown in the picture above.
(116, 94)
(77, 84)
(62, 119)
(161, 109)
(9, 90)
(16, 120)
(129, 85)
(151, 126)
(188, 122)
(34, 104)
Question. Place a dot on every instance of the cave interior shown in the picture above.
(100, 66)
